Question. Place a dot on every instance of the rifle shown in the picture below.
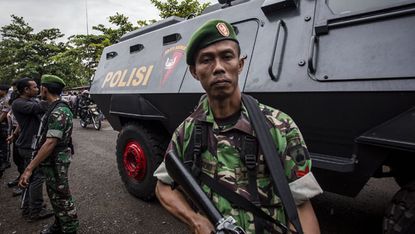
(184, 178)
(35, 147)
(9, 132)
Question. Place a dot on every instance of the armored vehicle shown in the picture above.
(343, 70)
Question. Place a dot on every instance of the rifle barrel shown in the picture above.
(184, 178)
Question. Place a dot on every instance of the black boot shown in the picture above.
(13, 183)
(42, 214)
(51, 229)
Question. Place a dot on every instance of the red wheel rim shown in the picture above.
(135, 161)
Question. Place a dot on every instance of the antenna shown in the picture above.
(86, 16)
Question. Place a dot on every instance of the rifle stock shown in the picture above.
(184, 178)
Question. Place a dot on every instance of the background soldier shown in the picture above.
(54, 156)
(213, 56)
(17, 158)
(4, 109)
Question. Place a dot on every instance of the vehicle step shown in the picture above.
(333, 163)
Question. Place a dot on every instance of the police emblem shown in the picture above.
(223, 29)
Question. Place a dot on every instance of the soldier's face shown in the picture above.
(32, 90)
(43, 92)
(217, 67)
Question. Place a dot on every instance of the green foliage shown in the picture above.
(184, 8)
(25, 53)
(122, 27)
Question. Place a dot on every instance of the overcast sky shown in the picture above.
(70, 15)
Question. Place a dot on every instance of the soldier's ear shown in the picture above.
(193, 71)
(241, 64)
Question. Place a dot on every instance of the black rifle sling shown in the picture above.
(239, 201)
(43, 126)
(198, 144)
(49, 112)
(249, 156)
(272, 160)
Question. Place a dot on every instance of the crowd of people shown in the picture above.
(36, 127)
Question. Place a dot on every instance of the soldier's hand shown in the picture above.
(201, 225)
(24, 178)
(10, 139)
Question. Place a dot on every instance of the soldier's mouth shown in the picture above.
(221, 82)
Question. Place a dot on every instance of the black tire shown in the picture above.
(400, 215)
(97, 122)
(153, 143)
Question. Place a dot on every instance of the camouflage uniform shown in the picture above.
(55, 169)
(4, 108)
(222, 162)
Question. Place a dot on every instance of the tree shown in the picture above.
(182, 9)
(83, 51)
(25, 53)
(122, 27)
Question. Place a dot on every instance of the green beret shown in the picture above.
(210, 32)
(50, 79)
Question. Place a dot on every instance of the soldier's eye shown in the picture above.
(228, 56)
(205, 60)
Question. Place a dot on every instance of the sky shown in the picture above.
(70, 15)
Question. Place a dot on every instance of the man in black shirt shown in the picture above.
(28, 112)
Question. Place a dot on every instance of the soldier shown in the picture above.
(4, 109)
(213, 56)
(54, 156)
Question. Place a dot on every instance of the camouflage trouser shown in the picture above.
(57, 185)
(3, 143)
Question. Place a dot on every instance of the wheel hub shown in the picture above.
(135, 161)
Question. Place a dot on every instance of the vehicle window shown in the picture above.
(342, 6)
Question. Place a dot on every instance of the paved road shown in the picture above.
(104, 205)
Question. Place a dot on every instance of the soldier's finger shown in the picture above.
(22, 183)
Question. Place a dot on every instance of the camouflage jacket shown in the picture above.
(59, 126)
(222, 161)
(4, 106)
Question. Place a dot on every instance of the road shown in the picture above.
(105, 206)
